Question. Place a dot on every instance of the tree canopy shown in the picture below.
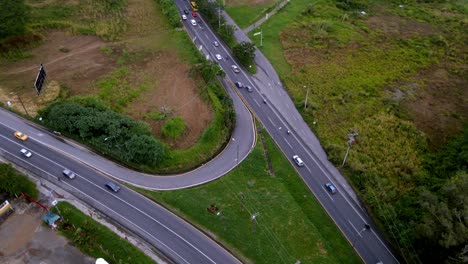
(13, 18)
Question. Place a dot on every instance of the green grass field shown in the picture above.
(291, 223)
(95, 239)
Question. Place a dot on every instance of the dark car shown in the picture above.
(114, 187)
(68, 173)
(330, 187)
(239, 85)
(249, 88)
(186, 12)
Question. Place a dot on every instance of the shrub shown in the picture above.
(119, 136)
(174, 127)
(14, 183)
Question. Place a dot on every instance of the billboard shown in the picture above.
(41, 76)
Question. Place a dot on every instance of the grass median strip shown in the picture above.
(95, 239)
(289, 224)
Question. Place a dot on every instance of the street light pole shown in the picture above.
(307, 97)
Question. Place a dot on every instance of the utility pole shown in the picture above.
(254, 221)
(261, 36)
(219, 16)
(307, 97)
(21, 101)
(351, 139)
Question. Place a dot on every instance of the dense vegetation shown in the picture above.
(14, 183)
(368, 67)
(13, 18)
(117, 135)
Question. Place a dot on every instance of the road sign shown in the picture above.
(41, 76)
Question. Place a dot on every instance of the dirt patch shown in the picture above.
(173, 90)
(74, 63)
(398, 26)
(69, 60)
(25, 239)
(439, 107)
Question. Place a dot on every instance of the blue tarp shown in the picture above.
(50, 218)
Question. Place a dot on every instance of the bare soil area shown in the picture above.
(71, 61)
(74, 63)
(439, 107)
(25, 239)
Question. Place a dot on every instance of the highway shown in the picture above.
(279, 115)
(173, 236)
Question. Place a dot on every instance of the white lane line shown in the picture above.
(271, 121)
(287, 142)
(329, 195)
(78, 190)
(150, 217)
(355, 229)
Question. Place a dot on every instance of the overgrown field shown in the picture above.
(395, 73)
(128, 55)
(95, 239)
(290, 225)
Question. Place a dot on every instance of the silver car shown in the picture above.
(26, 153)
(68, 173)
(298, 160)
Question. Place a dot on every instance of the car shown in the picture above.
(330, 187)
(194, 14)
(249, 88)
(184, 17)
(194, 23)
(186, 11)
(26, 153)
(235, 69)
(239, 85)
(219, 57)
(112, 186)
(216, 43)
(20, 135)
(68, 173)
(298, 160)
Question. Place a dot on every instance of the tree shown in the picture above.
(443, 228)
(245, 53)
(13, 18)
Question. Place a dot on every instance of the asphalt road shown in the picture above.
(170, 234)
(174, 237)
(273, 107)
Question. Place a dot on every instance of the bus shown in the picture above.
(194, 6)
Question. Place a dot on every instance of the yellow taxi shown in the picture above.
(20, 135)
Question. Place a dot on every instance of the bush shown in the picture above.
(13, 18)
(14, 183)
(119, 136)
(174, 127)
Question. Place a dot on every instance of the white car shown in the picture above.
(194, 23)
(298, 160)
(235, 69)
(184, 17)
(26, 153)
(219, 57)
(216, 43)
